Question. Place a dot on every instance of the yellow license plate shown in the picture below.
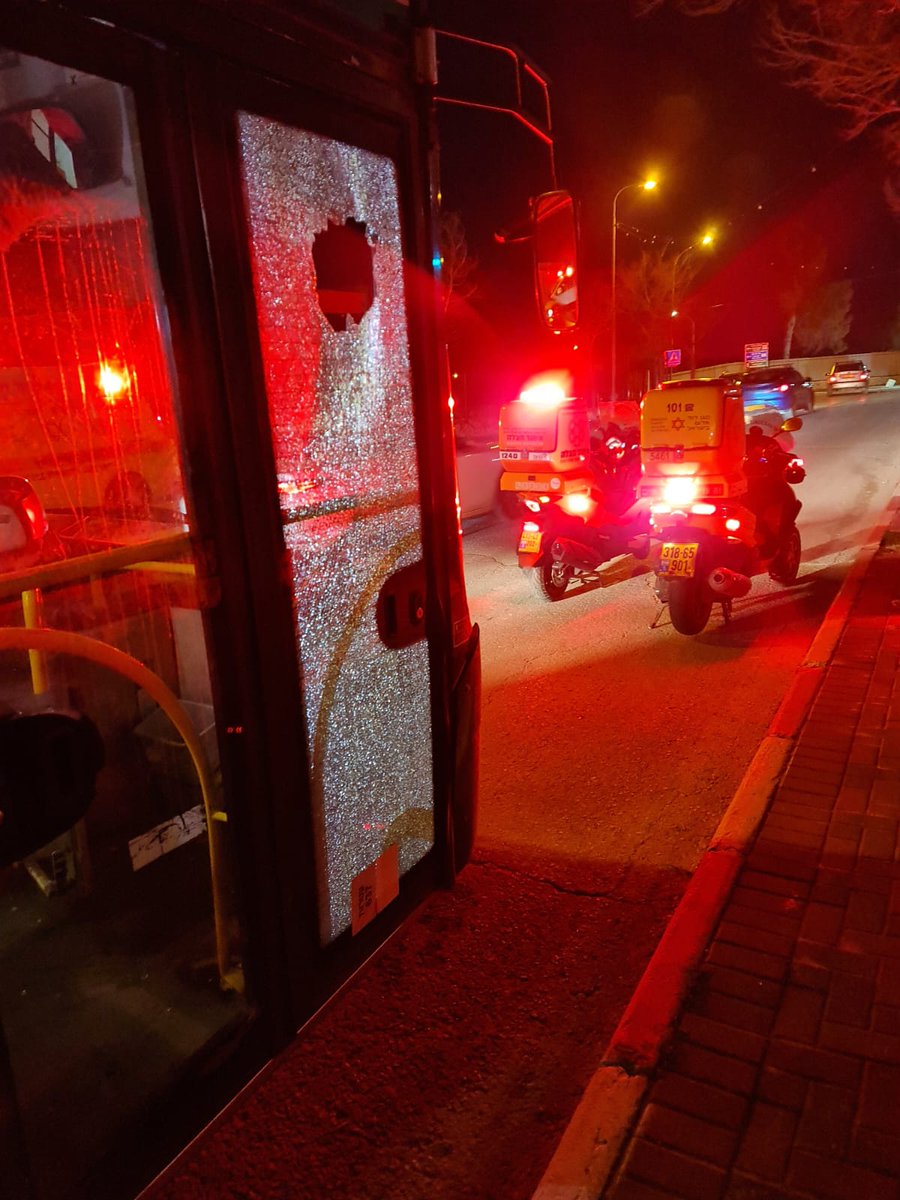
(676, 559)
(530, 541)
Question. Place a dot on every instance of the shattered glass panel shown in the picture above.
(327, 257)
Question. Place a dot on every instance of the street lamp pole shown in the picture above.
(706, 240)
(678, 257)
(676, 313)
(647, 185)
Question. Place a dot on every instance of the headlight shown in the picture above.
(681, 489)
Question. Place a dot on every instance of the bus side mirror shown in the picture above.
(555, 241)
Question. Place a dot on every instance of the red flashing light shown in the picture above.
(112, 382)
(547, 391)
(543, 396)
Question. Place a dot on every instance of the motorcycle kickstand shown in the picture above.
(654, 624)
(726, 610)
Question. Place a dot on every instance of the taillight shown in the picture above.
(680, 489)
(732, 524)
(703, 510)
(578, 504)
(784, 387)
(530, 527)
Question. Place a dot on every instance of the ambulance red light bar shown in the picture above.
(548, 391)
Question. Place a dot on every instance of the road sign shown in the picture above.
(756, 354)
(672, 358)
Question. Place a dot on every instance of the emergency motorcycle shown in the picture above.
(721, 501)
(580, 503)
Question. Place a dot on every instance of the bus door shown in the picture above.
(122, 938)
(320, 215)
(238, 682)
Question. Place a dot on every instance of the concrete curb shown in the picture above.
(590, 1146)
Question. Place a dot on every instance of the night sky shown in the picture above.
(691, 100)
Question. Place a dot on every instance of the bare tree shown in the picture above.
(458, 266)
(645, 285)
(797, 256)
(845, 52)
(644, 299)
(657, 280)
(824, 323)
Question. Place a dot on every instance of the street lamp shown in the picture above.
(648, 185)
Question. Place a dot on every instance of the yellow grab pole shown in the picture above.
(32, 610)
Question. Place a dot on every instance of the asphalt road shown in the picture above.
(449, 1069)
(615, 746)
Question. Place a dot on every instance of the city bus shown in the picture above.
(239, 682)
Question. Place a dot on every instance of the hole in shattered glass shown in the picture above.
(344, 279)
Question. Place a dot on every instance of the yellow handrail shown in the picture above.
(78, 645)
(101, 562)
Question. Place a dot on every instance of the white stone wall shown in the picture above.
(882, 364)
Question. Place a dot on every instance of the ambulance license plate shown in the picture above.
(530, 541)
(676, 559)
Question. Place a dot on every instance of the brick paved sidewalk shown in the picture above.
(782, 1079)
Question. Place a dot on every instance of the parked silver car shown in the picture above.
(478, 477)
(849, 374)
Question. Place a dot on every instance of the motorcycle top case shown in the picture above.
(693, 427)
(544, 448)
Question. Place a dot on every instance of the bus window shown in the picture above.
(120, 939)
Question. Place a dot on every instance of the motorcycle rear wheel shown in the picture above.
(550, 580)
(690, 605)
(786, 563)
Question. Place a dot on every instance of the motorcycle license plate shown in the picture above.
(530, 541)
(676, 559)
